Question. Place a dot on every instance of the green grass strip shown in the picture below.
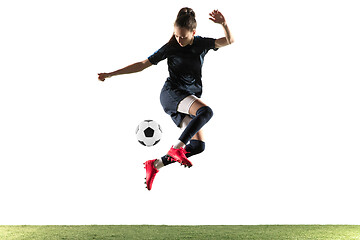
(262, 232)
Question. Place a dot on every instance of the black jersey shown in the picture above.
(184, 63)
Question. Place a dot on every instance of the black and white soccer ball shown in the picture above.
(148, 133)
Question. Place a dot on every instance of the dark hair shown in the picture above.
(186, 19)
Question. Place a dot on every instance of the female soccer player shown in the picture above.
(180, 96)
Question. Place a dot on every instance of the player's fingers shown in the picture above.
(101, 77)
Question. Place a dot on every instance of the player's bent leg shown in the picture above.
(203, 114)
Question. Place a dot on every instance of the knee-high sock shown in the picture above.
(203, 115)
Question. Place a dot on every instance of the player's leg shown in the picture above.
(195, 146)
(203, 114)
(191, 133)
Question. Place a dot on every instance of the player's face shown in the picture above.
(183, 36)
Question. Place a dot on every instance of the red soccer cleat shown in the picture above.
(179, 156)
(151, 172)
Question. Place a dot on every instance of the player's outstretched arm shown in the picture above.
(217, 17)
(133, 68)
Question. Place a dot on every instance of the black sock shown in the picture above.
(166, 160)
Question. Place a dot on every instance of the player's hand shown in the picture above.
(102, 76)
(217, 17)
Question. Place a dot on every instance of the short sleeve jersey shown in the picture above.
(184, 63)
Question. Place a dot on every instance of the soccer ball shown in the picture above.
(148, 133)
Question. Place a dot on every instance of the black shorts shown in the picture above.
(170, 98)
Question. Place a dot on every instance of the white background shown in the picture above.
(282, 147)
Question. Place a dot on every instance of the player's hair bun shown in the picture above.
(186, 11)
(186, 19)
